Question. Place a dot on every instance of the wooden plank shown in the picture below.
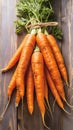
(8, 46)
(67, 50)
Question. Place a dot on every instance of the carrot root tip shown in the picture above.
(16, 104)
(1, 117)
(67, 83)
(3, 70)
(66, 112)
(49, 109)
(69, 105)
(6, 107)
(54, 104)
(44, 122)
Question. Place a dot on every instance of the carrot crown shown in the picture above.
(34, 14)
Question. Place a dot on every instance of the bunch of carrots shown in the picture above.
(40, 63)
(40, 67)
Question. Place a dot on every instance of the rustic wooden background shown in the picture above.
(9, 42)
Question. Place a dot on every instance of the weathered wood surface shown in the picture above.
(8, 44)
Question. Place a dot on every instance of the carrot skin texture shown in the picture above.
(16, 56)
(58, 57)
(50, 62)
(17, 98)
(30, 90)
(12, 84)
(38, 74)
(23, 62)
(53, 89)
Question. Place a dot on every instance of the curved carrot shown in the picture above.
(11, 87)
(16, 56)
(58, 57)
(54, 91)
(23, 62)
(30, 90)
(53, 88)
(50, 62)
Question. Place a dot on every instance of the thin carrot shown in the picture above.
(30, 90)
(12, 84)
(54, 91)
(17, 98)
(11, 87)
(53, 88)
(16, 56)
(38, 73)
(50, 63)
(58, 56)
(23, 62)
(46, 98)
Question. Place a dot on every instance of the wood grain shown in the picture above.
(9, 41)
(8, 45)
(67, 50)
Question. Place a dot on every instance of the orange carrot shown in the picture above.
(23, 62)
(30, 90)
(16, 56)
(46, 97)
(12, 84)
(54, 91)
(53, 88)
(11, 87)
(50, 62)
(38, 73)
(18, 98)
(58, 56)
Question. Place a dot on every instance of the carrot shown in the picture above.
(23, 62)
(30, 90)
(53, 88)
(58, 56)
(54, 91)
(16, 56)
(18, 98)
(46, 97)
(12, 84)
(11, 87)
(38, 74)
(50, 63)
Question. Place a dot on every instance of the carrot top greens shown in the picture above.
(36, 11)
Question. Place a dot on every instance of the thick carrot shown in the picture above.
(58, 56)
(30, 90)
(17, 98)
(23, 62)
(38, 73)
(16, 56)
(50, 62)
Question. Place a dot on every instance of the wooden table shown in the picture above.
(9, 42)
